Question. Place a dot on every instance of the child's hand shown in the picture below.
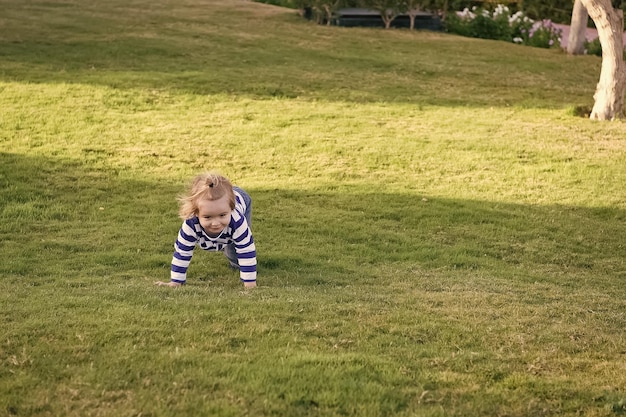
(167, 284)
(249, 284)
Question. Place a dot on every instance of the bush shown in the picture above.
(487, 28)
(544, 35)
(593, 47)
(500, 25)
(521, 26)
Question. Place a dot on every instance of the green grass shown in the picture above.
(438, 234)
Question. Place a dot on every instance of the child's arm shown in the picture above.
(246, 253)
(183, 251)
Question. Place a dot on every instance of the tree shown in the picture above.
(609, 95)
(388, 9)
(578, 29)
(414, 7)
(324, 10)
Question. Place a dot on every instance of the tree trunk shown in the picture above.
(609, 95)
(445, 9)
(329, 14)
(578, 30)
(388, 17)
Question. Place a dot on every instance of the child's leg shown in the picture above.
(248, 202)
(230, 251)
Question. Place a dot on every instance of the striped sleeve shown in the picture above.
(240, 203)
(245, 248)
(183, 251)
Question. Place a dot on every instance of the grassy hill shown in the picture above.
(437, 232)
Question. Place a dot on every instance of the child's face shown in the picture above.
(214, 215)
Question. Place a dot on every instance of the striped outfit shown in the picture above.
(236, 239)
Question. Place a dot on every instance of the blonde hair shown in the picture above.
(208, 186)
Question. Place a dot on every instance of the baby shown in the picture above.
(217, 217)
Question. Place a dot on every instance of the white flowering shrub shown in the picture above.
(499, 24)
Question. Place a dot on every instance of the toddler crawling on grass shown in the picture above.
(216, 217)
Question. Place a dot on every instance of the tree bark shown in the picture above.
(609, 95)
(411, 20)
(329, 14)
(388, 17)
(578, 30)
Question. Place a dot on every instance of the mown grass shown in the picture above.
(438, 234)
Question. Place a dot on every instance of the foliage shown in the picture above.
(323, 10)
(433, 239)
(480, 23)
(559, 11)
(521, 27)
(594, 47)
(541, 34)
(388, 9)
(500, 25)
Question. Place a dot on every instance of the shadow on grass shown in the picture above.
(354, 234)
(66, 219)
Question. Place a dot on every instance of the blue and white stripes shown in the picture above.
(236, 233)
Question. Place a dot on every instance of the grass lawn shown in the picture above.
(438, 233)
